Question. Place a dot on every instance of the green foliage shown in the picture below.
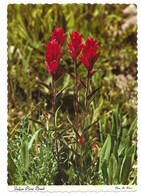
(105, 152)
(22, 162)
(115, 163)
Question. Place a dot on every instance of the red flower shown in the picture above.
(59, 35)
(81, 140)
(53, 56)
(89, 56)
(76, 45)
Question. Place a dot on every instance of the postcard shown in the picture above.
(72, 97)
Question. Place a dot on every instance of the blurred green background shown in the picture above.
(29, 29)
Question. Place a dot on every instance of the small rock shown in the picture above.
(130, 10)
(130, 21)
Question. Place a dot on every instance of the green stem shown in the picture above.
(84, 118)
(86, 101)
(87, 87)
(54, 121)
(82, 166)
(76, 92)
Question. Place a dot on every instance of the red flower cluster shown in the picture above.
(54, 53)
(53, 56)
(58, 34)
(76, 45)
(89, 56)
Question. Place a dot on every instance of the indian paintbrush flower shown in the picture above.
(88, 59)
(53, 56)
(76, 45)
(59, 36)
(89, 55)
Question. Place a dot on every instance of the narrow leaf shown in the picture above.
(87, 128)
(70, 174)
(71, 74)
(92, 93)
(125, 169)
(100, 130)
(82, 83)
(105, 152)
(104, 171)
(33, 138)
(112, 169)
(131, 152)
(97, 111)
(50, 113)
(133, 127)
(75, 131)
(44, 84)
(60, 92)
(25, 155)
(36, 121)
(56, 112)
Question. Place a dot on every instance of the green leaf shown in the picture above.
(56, 112)
(36, 121)
(87, 128)
(92, 93)
(133, 127)
(104, 171)
(105, 152)
(60, 92)
(112, 169)
(115, 152)
(116, 125)
(125, 169)
(44, 84)
(97, 110)
(70, 174)
(82, 83)
(50, 113)
(131, 152)
(71, 74)
(33, 138)
(75, 130)
(25, 155)
(101, 132)
(124, 143)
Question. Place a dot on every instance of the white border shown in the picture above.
(70, 188)
(3, 90)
